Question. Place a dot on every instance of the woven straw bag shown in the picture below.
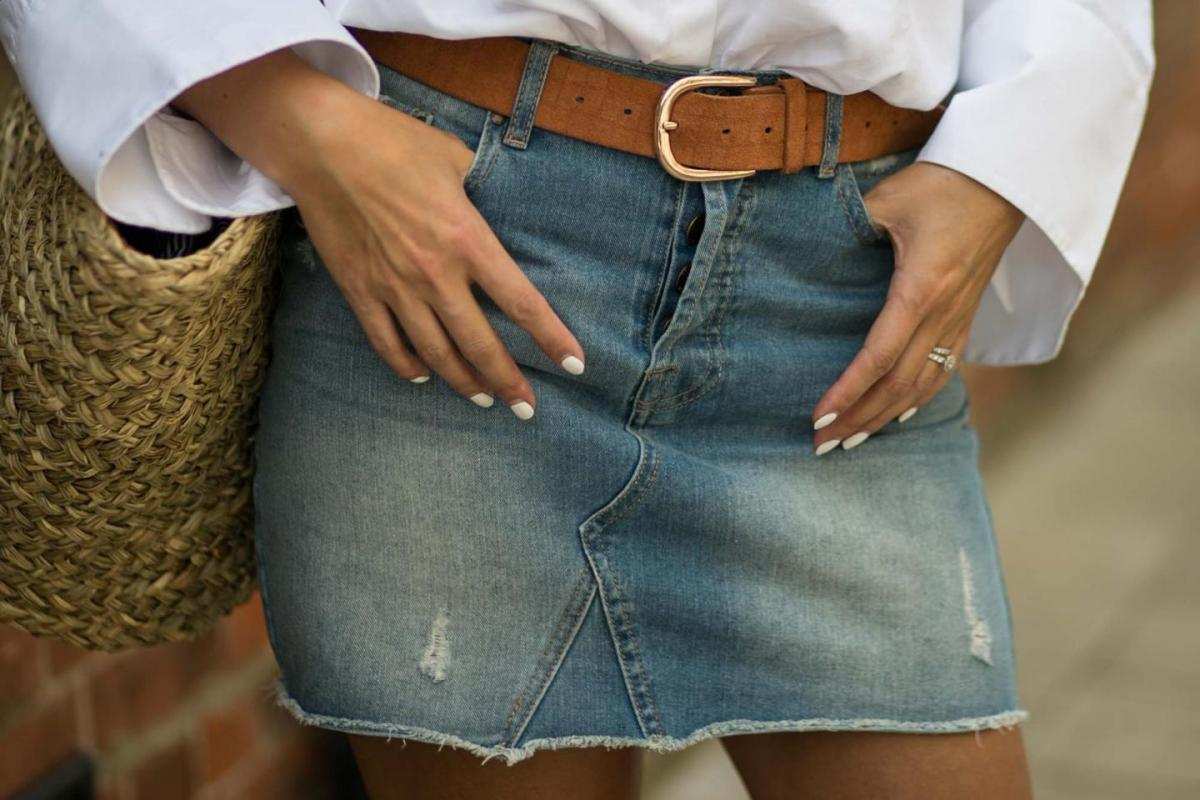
(128, 396)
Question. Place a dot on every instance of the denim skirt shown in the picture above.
(657, 557)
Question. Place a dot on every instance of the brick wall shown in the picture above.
(195, 721)
(175, 721)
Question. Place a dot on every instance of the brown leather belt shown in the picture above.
(695, 135)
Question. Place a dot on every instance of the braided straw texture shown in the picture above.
(128, 398)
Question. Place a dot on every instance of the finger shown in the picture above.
(898, 387)
(885, 342)
(482, 347)
(507, 284)
(380, 326)
(434, 348)
(939, 376)
(959, 347)
(932, 378)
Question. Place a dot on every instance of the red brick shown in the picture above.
(140, 689)
(20, 669)
(166, 775)
(35, 742)
(227, 738)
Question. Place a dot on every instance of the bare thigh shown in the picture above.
(409, 770)
(989, 765)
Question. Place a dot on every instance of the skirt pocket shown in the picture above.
(855, 179)
(480, 137)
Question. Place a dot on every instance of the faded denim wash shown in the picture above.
(658, 557)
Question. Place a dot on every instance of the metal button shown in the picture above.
(681, 278)
(694, 229)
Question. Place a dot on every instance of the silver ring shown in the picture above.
(948, 361)
(943, 350)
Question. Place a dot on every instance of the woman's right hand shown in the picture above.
(381, 195)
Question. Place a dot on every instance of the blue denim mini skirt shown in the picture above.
(657, 557)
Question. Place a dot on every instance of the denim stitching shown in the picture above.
(623, 606)
(538, 675)
(743, 205)
(554, 653)
(657, 295)
(485, 151)
(624, 634)
(619, 507)
(412, 111)
(529, 93)
(680, 399)
(598, 531)
(485, 158)
(846, 183)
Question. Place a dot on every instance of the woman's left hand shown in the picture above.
(948, 233)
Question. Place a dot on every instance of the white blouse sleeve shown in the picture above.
(1047, 109)
(100, 75)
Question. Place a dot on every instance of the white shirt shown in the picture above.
(1048, 99)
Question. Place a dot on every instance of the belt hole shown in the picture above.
(726, 130)
(579, 98)
(628, 111)
(767, 129)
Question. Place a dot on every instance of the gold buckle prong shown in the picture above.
(664, 126)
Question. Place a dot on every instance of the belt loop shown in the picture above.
(529, 93)
(833, 135)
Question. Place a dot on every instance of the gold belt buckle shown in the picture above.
(664, 125)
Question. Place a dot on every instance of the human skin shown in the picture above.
(988, 765)
(387, 212)
(948, 233)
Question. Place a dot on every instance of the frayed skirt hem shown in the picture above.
(659, 744)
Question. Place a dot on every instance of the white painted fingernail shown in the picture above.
(482, 399)
(855, 440)
(522, 409)
(906, 414)
(419, 379)
(827, 446)
(825, 420)
(572, 365)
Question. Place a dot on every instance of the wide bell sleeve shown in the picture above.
(1047, 109)
(100, 75)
